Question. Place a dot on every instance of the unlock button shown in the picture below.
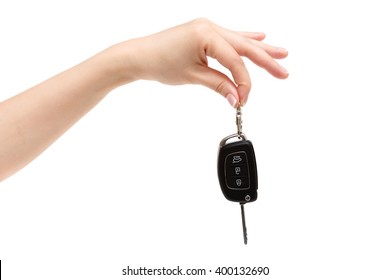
(237, 171)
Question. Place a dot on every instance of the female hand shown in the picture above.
(179, 56)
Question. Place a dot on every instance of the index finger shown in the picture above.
(225, 54)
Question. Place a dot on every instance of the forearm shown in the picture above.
(34, 119)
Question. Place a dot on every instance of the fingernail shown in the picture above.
(231, 99)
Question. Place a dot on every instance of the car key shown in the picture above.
(237, 171)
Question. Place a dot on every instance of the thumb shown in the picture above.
(218, 82)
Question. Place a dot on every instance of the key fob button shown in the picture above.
(237, 183)
(237, 158)
(237, 171)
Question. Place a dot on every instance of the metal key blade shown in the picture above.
(244, 224)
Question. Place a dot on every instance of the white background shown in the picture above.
(134, 182)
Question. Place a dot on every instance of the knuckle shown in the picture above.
(238, 67)
(246, 84)
(201, 20)
(238, 62)
(201, 27)
(220, 88)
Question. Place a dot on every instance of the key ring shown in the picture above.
(239, 121)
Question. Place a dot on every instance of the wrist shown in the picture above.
(115, 67)
(122, 63)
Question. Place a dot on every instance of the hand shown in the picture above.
(179, 56)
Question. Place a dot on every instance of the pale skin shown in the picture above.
(32, 120)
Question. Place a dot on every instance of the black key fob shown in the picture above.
(237, 170)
